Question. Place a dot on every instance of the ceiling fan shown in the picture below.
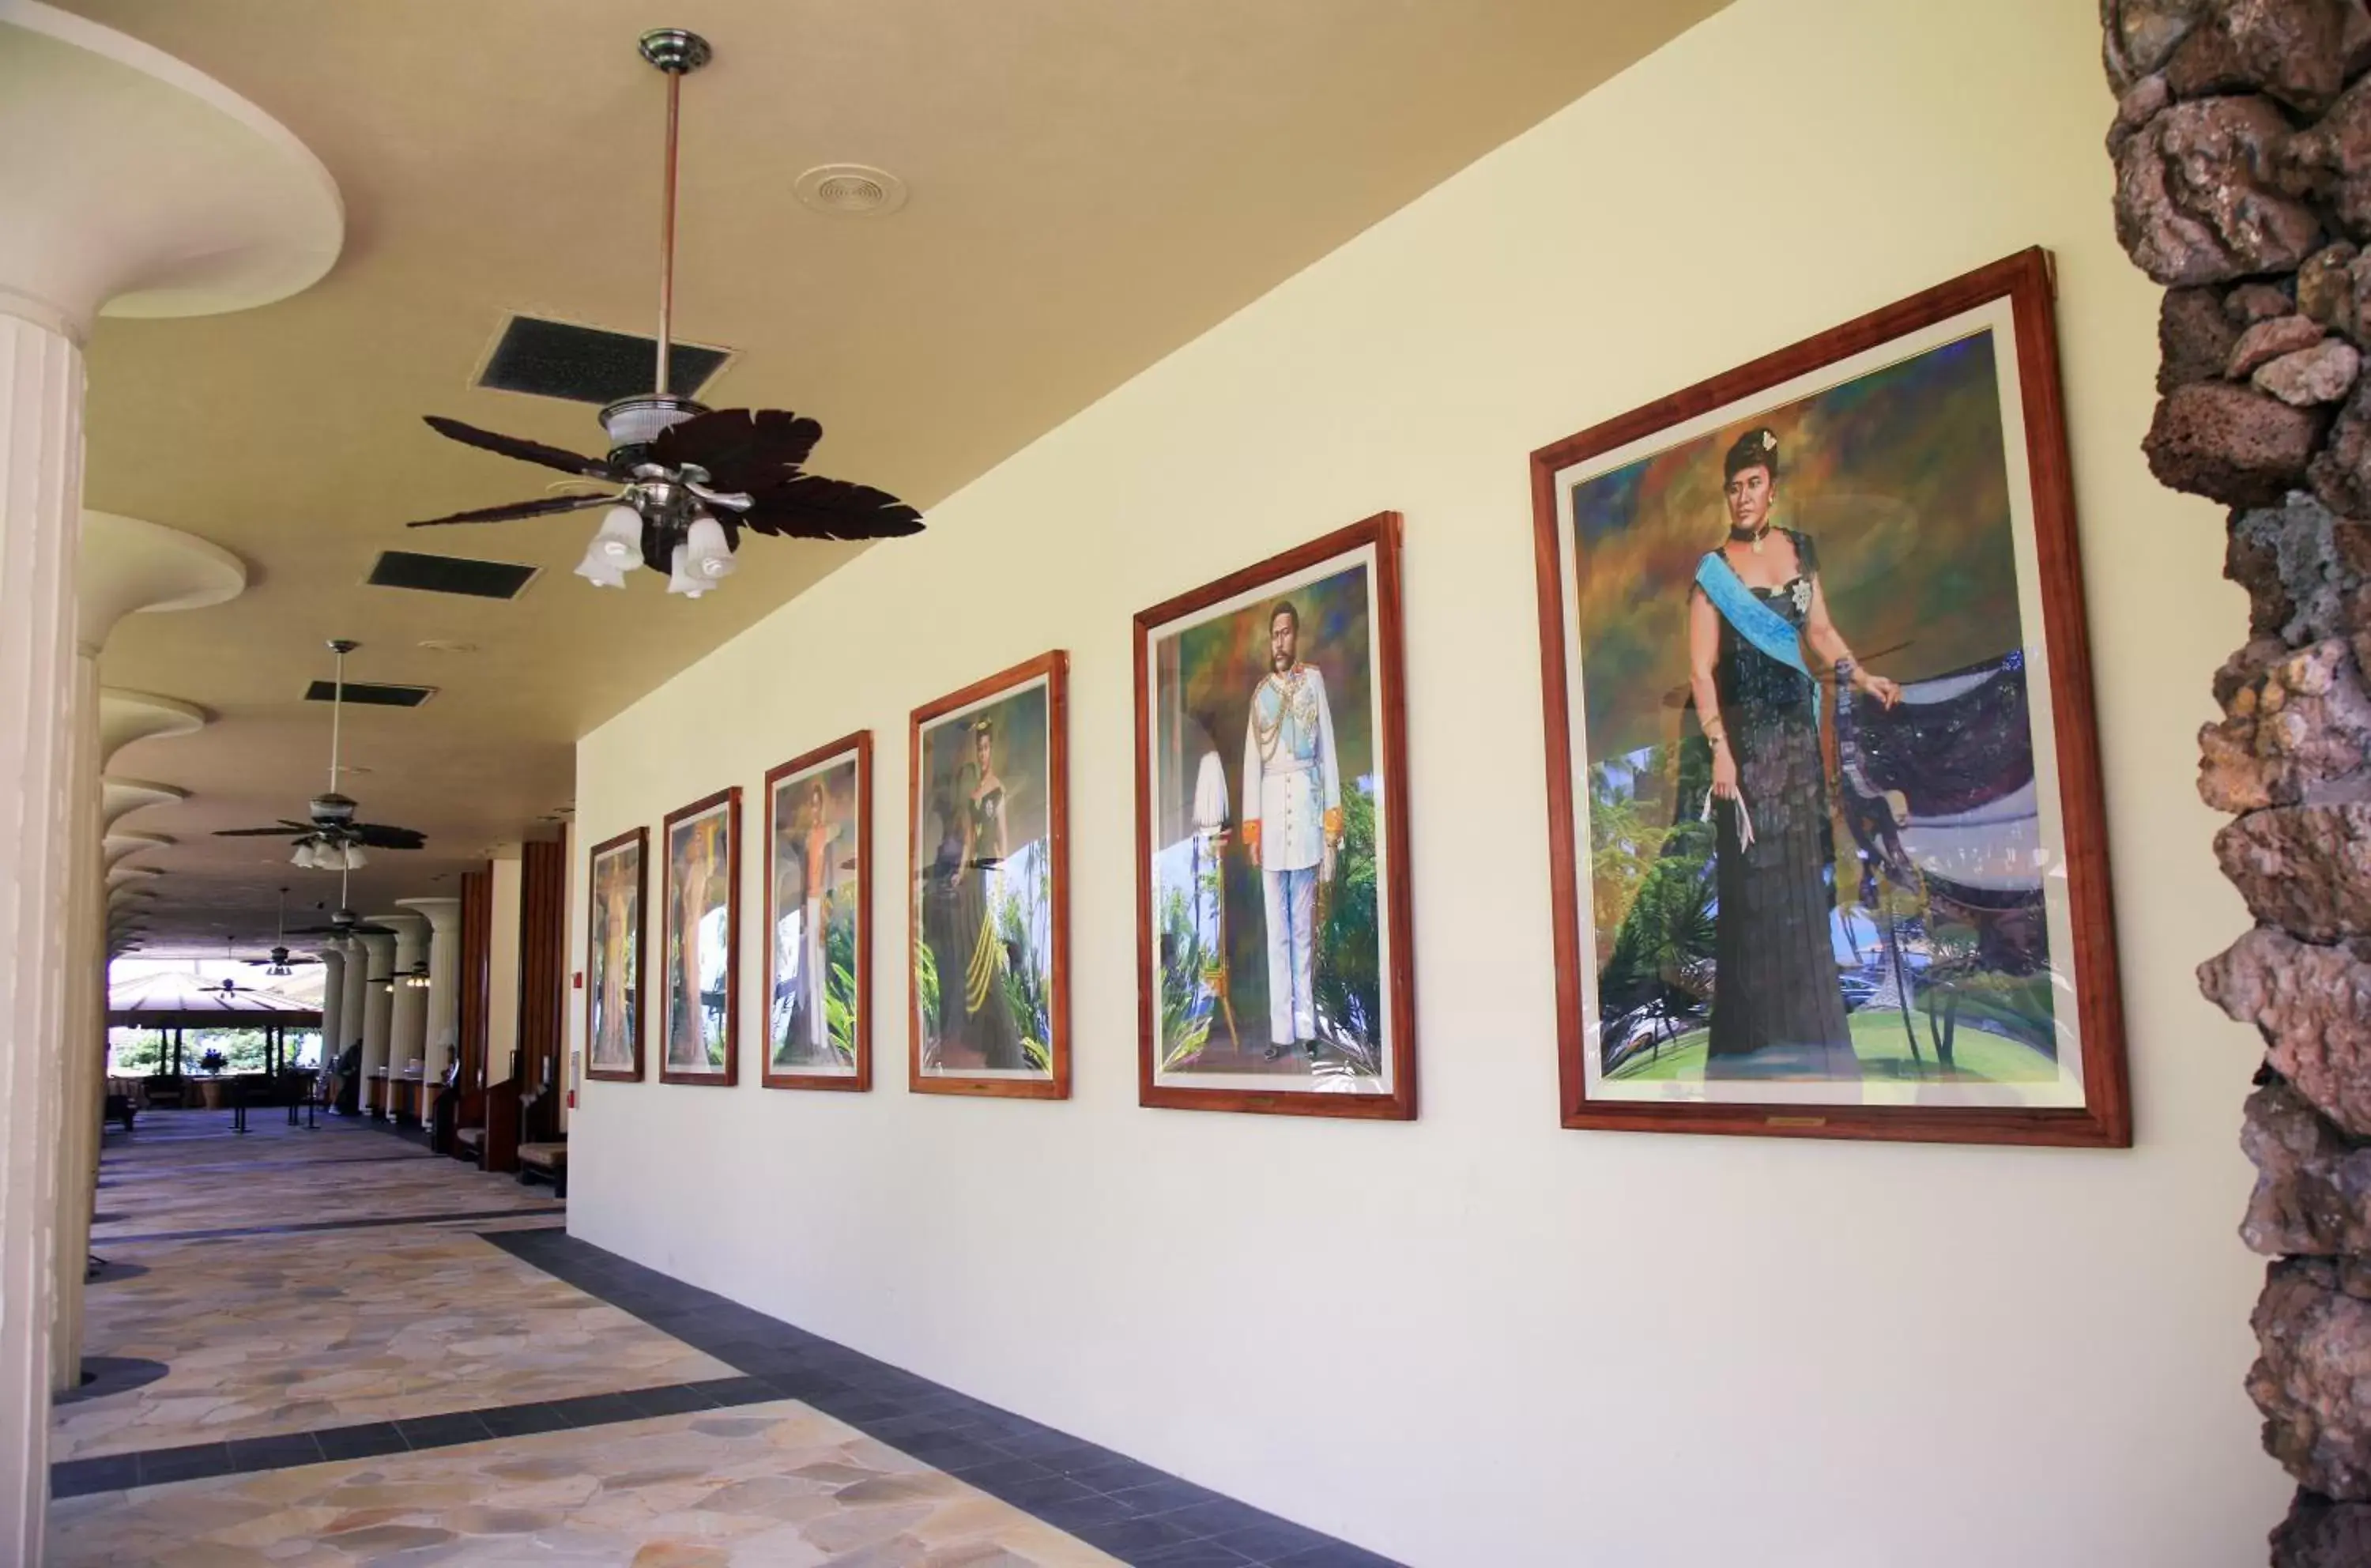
(692, 478)
(343, 921)
(279, 962)
(332, 840)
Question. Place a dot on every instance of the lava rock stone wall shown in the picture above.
(2242, 146)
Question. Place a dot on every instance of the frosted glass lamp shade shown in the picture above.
(707, 551)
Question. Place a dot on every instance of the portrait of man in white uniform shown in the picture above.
(1291, 824)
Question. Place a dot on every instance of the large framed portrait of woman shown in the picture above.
(1273, 912)
(1828, 849)
(987, 955)
(702, 931)
(616, 881)
(819, 918)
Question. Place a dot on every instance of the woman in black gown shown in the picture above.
(1778, 1010)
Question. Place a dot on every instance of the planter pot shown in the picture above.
(212, 1089)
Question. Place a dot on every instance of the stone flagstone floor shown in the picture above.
(328, 1346)
(773, 1486)
(287, 1333)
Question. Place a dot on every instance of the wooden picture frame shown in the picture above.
(725, 804)
(597, 961)
(1346, 636)
(855, 752)
(949, 912)
(1997, 317)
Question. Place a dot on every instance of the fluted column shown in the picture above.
(126, 567)
(333, 1000)
(444, 1023)
(378, 1009)
(83, 1044)
(40, 495)
(140, 186)
(407, 1037)
(354, 1010)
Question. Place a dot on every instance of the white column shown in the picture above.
(136, 184)
(444, 1023)
(406, 1034)
(126, 566)
(378, 1009)
(353, 1010)
(333, 1000)
(40, 498)
(82, 1067)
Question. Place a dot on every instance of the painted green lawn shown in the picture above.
(1883, 1050)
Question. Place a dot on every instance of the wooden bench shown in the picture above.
(545, 1161)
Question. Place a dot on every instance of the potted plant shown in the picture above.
(212, 1064)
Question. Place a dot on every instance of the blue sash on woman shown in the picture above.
(1753, 620)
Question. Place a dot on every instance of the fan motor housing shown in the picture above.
(633, 423)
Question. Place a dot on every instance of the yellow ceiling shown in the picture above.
(1093, 184)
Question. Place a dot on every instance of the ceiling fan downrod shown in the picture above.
(633, 423)
(676, 51)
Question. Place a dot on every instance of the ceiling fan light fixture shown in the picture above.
(616, 549)
(619, 537)
(597, 569)
(682, 578)
(706, 549)
(306, 857)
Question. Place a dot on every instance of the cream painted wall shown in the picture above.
(1478, 1339)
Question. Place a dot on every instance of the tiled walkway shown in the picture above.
(330, 1347)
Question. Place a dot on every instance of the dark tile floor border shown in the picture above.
(1137, 1514)
(541, 1212)
(362, 1440)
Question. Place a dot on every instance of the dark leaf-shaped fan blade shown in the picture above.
(285, 830)
(743, 449)
(550, 504)
(525, 451)
(362, 930)
(808, 506)
(377, 835)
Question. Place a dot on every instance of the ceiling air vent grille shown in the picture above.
(585, 364)
(450, 574)
(373, 692)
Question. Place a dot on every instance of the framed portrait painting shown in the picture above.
(616, 881)
(818, 918)
(1273, 911)
(700, 929)
(1828, 849)
(988, 970)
